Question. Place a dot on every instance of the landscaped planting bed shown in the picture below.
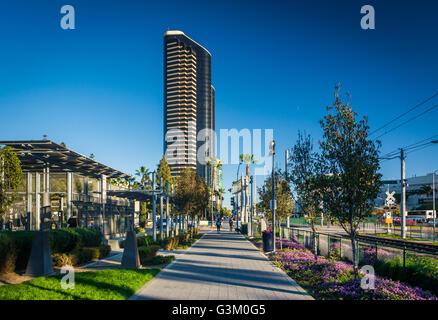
(73, 246)
(332, 279)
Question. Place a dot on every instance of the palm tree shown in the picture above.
(131, 182)
(220, 192)
(144, 175)
(213, 163)
(247, 159)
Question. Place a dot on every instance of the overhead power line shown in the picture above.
(403, 114)
(409, 120)
(419, 145)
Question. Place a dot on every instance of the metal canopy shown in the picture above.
(139, 195)
(35, 155)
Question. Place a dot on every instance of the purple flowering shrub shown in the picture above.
(288, 244)
(331, 279)
(335, 250)
(385, 289)
(369, 255)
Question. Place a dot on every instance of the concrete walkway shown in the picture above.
(221, 266)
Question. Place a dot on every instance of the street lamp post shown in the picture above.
(273, 195)
(434, 212)
(154, 208)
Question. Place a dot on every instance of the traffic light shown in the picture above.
(232, 201)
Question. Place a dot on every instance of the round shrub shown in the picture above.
(84, 255)
(63, 240)
(61, 259)
(89, 237)
(104, 251)
(22, 241)
(146, 253)
(8, 254)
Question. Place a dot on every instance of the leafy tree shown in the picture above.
(351, 163)
(305, 176)
(164, 172)
(190, 194)
(283, 195)
(225, 212)
(10, 178)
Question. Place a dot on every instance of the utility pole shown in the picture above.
(286, 162)
(154, 208)
(403, 195)
(252, 206)
(168, 221)
(273, 205)
(286, 175)
(242, 214)
(434, 211)
(161, 209)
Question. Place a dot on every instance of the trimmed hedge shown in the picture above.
(8, 254)
(16, 255)
(147, 253)
(144, 241)
(80, 256)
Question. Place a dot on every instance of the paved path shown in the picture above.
(221, 267)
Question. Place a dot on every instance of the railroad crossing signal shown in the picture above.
(390, 200)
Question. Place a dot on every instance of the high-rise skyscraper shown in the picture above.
(188, 104)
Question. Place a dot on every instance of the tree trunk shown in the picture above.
(354, 251)
(212, 194)
(315, 247)
(279, 234)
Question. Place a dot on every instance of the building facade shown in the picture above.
(61, 187)
(419, 192)
(188, 104)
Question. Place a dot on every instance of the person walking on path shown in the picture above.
(218, 225)
(231, 223)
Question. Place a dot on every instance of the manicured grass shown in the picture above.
(397, 236)
(111, 284)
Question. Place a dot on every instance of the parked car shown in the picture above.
(431, 222)
(164, 223)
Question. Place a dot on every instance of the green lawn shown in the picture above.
(111, 284)
(397, 236)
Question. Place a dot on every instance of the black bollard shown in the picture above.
(131, 259)
(40, 260)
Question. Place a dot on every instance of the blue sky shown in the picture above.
(99, 88)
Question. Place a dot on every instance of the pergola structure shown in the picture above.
(41, 159)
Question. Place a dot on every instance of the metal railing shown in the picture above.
(339, 246)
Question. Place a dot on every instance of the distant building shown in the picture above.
(418, 192)
(189, 106)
